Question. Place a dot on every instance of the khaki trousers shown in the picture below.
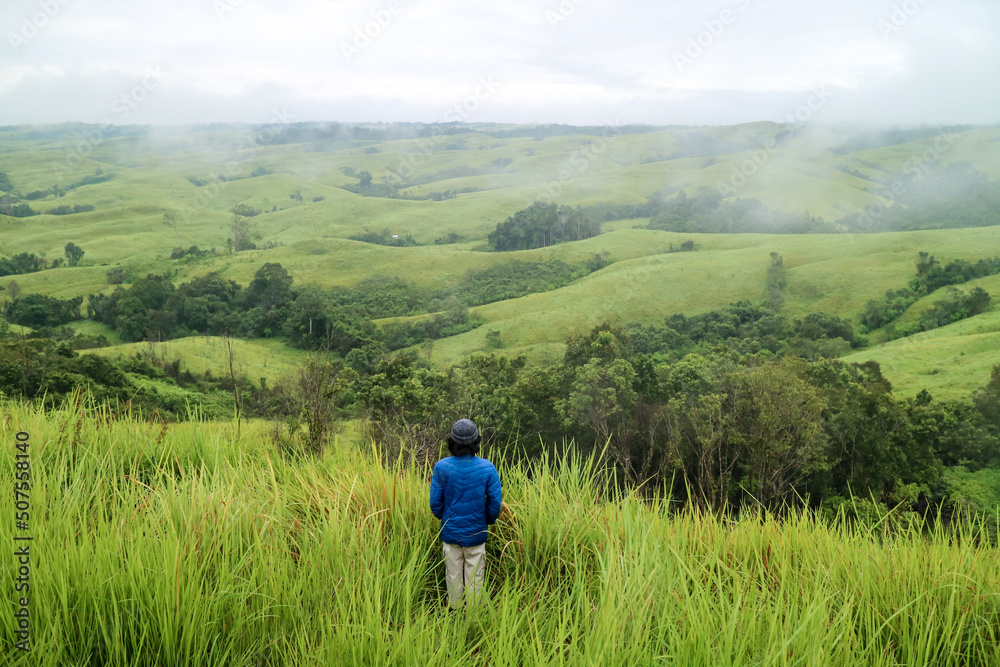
(464, 568)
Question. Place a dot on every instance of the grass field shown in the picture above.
(949, 362)
(180, 544)
(153, 173)
(255, 359)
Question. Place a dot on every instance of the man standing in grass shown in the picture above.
(466, 497)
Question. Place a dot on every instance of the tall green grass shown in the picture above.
(178, 544)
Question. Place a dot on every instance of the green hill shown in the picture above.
(463, 181)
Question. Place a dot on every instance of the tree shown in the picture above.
(243, 229)
(74, 254)
(409, 407)
(13, 289)
(364, 179)
(776, 282)
(493, 340)
(484, 388)
(601, 398)
(322, 385)
(987, 399)
(170, 218)
(778, 418)
(266, 301)
(38, 310)
(925, 262)
(541, 225)
(237, 394)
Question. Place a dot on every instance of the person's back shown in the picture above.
(466, 497)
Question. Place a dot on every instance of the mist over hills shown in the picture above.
(134, 196)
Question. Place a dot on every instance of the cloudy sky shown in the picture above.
(568, 61)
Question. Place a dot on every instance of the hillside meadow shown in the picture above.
(179, 544)
(463, 181)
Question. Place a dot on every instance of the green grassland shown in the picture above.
(949, 362)
(188, 544)
(832, 273)
(255, 359)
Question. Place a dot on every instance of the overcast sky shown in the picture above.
(574, 61)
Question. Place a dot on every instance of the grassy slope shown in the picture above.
(254, 358)
(836, 274)
(186, 544)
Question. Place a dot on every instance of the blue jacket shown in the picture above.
(466, 496)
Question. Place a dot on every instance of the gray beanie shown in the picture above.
(464, 432)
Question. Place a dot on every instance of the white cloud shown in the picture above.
(415, 58)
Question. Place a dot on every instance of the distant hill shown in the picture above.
(448, 186)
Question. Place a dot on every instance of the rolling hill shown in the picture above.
(464, 180)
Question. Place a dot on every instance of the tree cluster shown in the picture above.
(153, 308)
(542, 225)
(38, 310)
(510, 280)
(708, 213)
(729, 429)
(24, 262)
(931, 276)
(746, 327)
(11, 203)
(954, 306)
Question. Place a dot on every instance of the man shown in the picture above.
(466, 497)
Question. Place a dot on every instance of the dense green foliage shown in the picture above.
(38, 310)
(516, 278)
(745, 326)
(738, 429)
(193, 252)
(49, 367)
(777, 281)
(956, 305)
(932, 275)
(541, 225)
(452, 319)
(880, 312)
(70, 210)
(724, 401)
(708, 213)
(24, 262)
(310, 317)
(10, 206)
